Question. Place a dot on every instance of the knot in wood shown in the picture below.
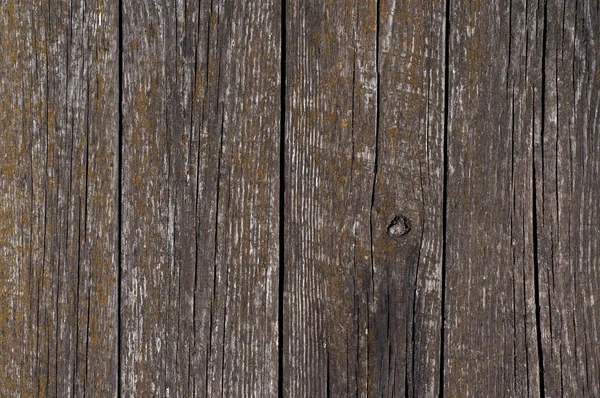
(399, 226)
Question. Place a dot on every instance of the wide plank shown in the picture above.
(364, 134)
(59, 204)
(491, 344)
(200, 186)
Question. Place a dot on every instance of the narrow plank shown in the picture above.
(330, 127)
(494, 111)
(567, 161)
(201, 128)
(364, 144)
(409, 182)
(59, 198)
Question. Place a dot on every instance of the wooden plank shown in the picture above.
(201, 128)
(331, 97)
(479, 302)
(410, 169)
(520, 310)
(566, 170)
(58, 184)
(364, 147)
(491, 345)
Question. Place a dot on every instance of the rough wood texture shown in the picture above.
(567, 165)
(58, 198)
(200, 236)
(365, 130)
(299, 198)
(490, 344)
(521, 246)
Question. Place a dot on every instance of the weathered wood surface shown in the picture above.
(200, 192)
(364, 145)
(300, 198)
(59, 256)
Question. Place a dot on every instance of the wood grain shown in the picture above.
(567, 154)
(201, 118)
(299, 198)
(364, 136)
(58, 184)
(490, 336)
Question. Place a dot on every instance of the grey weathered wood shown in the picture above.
(490, 345)
(201, 128)
(330, 125)
(410, 181)
(521, 249)
(438, 234)
(58, 184)
(567, 207)
(364, 136)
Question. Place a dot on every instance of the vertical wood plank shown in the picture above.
(364, 136)
(201, 125)
(409, 183)
(566, 165)
(59, 198)
(330, 126)
(491, 334)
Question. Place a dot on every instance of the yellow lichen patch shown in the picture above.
(475, 55)
(101, 88)
(141, 123)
